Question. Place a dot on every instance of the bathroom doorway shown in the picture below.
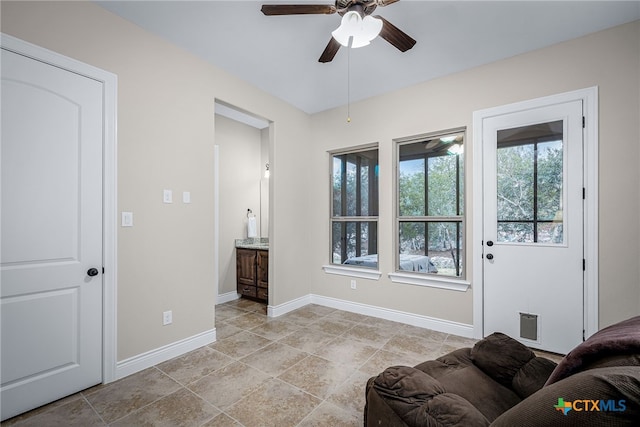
(242, 175)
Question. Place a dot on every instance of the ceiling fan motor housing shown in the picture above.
(363, 7)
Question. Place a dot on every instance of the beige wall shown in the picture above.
(166, 137)
(240, 173)
(609, 60)
(165, 140)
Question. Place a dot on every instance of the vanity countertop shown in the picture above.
(261, 243)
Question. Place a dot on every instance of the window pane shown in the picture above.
(515, 232)
(355, 184)
(445, 247)
(549, 180)
(515, 183)
(412, 238)
(412, 187)
(337, 184)
(550, 232)
(355, 243)
(337, 242)
(443, 186)
(431, 247)
(364, 189)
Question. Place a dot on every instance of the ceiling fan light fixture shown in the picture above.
(357, 32)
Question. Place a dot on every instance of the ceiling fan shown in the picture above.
(351, 11)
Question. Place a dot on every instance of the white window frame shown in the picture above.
(429, 279)
(352, 270)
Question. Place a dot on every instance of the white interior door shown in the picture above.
(51, 242)
(533, 226)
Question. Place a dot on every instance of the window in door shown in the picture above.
(530, 184)
(354, 208)
(430, 199)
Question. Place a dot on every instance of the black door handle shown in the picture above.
(92, 272)
(489, 257)
(489, 243)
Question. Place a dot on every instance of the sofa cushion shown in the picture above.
(511, 364)
(458, 375)
(501, 357)
(532, 376)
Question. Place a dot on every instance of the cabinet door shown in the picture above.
(246, 267)
(263, 269)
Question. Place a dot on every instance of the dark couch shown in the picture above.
(500, 382)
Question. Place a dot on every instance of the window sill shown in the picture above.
(430, 281)
(362, 273)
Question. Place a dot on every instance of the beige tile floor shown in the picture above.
(305, 368)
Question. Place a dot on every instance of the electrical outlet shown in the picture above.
(167, 196)
(167, 318)
(353, 284)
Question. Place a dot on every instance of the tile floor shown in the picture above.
(305, 368)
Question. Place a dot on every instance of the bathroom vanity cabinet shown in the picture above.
(252, 273)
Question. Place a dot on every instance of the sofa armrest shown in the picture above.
(615, 389)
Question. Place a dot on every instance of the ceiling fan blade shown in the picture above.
(330, 51)
(297, 9)
(395, 35)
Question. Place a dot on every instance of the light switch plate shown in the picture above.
(167, 196)
(186, 197)
(127, 219)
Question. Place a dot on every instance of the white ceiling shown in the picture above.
(279, 54)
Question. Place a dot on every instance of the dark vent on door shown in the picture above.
(529, 326)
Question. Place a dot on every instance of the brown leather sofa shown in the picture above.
(500, 382)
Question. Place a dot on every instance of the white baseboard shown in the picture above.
(440, 325)
(275, 311)
(229, 296)
(151, 358)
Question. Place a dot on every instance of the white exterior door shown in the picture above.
(51, 243)
(533, 226)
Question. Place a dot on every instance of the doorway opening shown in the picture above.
(243, 166)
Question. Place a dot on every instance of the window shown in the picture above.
(354, 208)
(530, 184)
(430, 205)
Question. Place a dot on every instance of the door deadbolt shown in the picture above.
(92, 272)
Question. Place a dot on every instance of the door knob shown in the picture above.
(92, 272)
(489, 257)
(489, 243)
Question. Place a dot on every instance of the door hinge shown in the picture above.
(583, 122)
(102, 270)
(584, 264)
(583, 335)
(584, 193)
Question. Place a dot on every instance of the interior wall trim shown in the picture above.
(229, 296)
(151, 358)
